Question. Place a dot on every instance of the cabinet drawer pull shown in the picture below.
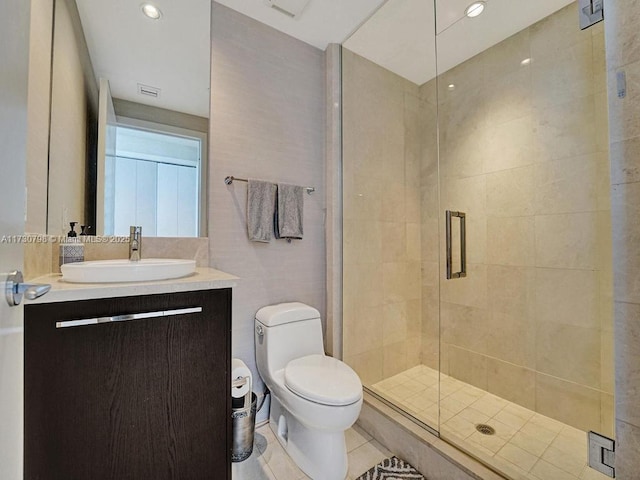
(127, 317)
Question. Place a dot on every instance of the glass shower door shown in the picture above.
(525, 282)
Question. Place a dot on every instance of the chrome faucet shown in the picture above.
(135, 243)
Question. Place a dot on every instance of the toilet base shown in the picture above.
(319, 454)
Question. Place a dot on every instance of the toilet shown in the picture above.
(314, 397)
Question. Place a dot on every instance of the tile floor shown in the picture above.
(526, 445)
(270, 462)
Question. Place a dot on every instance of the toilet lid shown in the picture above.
(323, 379)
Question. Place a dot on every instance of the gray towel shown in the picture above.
(289, 211)
(260, 209)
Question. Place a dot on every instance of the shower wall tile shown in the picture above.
(512, 337)
(506, 58)
(555, 33)
(511, 241)
(466, 327)
(468, 366)
(471, 292)
(627, 357)
(607, 414)
(566, 241)
(512, 382)
(368, 365)
(556, 189)
(510, 192)
(362, 197)
(508, 145)
(565, 76)
(394, 323)
(574, 404)
(383, 165)
(565, 130)
(363, 331)
(567, 297)
(509, 97)
(569, 352)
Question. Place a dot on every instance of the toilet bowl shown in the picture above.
(314, 397)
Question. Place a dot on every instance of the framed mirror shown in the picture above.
(129, 117)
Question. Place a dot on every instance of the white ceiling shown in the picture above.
(400, 35)
(173, 53)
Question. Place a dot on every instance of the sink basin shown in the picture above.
(109, 271)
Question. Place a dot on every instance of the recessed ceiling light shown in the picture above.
(151, 11)
(525, 62)
(451, 87)
(475, 9)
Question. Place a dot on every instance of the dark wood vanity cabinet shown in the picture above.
(140, 399)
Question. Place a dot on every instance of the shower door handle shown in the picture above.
(463, 245)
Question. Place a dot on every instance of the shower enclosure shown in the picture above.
(477, 284)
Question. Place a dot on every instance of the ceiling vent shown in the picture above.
(148, 91)
(290, 8)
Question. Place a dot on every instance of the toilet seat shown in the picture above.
(322, 379)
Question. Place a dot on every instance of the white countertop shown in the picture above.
(61, 291)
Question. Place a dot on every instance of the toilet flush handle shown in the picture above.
(259, 330)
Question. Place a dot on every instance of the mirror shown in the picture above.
(146, 82)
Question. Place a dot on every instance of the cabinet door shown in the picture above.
(140, 399)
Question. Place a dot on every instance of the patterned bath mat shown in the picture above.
(392, 469)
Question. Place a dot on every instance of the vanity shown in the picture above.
(129, 380)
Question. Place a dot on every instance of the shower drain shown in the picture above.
(485, 429)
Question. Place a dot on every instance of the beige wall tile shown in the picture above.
(567, 402)
(394, 323)
(556, 188)
(511, 382)
(565, 76)
(509, 95)
(368, 365)
(607, 415)
(394, 359)
(621, 33)
(552, 35)
(566, 241)
(470, 291)
(468, 366)
(511, 337)
(567, 297)
(508, 145)
(464, 326)
(569, 352)
(565, 130)
(510, 193)
(510, 241)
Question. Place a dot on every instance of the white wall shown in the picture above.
(267, 122)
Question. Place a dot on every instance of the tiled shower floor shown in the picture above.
(526, 445)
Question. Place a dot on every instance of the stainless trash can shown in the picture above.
(244, 422)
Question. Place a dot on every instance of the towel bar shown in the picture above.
(230, 179)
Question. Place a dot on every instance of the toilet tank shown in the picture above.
(284, 332)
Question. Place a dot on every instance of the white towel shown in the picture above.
(288, 221)
(260, 210)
